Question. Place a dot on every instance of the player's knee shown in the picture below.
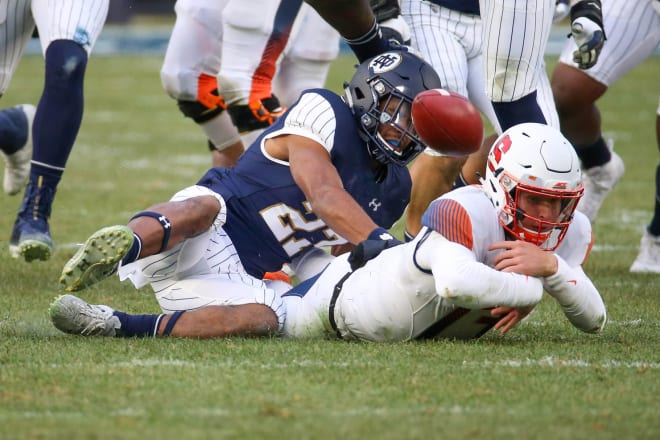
(273, 301)
(197, 111)
(256, 115)
(66, 62)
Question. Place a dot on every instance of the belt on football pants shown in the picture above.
(333, 301)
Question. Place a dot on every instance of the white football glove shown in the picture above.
(587, 31)
(589, 38)
(562, 9)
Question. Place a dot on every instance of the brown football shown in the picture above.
(447, 122)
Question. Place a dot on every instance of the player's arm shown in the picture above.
(318, 179)
(570, 286)
(578, 297)
(469, 283)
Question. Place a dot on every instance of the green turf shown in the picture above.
(546, 380)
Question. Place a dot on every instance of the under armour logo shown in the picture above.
(164, 222)
(375, 204)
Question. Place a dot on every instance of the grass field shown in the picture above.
(546, 380)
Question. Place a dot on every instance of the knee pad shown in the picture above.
(256, 114)
(209, 103)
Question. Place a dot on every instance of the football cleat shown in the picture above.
(648, 259)
(97, 258)
(30, 237)
(17, 165)
(71, 314)
(598, 182)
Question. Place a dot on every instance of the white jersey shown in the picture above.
(633, 32)
(425, 288)
(80, 21)
(515, 35)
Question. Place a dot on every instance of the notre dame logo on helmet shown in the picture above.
(385, 62)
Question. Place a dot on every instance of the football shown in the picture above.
(447, 122)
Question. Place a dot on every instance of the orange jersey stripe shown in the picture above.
(451, 220)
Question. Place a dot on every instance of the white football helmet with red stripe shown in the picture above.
(536, 160)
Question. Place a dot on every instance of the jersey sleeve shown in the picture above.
(465, 281)
(448, 218)
(313, 117)
(578, 297)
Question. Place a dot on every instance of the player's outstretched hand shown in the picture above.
(510, 317)
(587, 31)
(524, 258)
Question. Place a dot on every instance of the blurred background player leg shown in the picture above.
(515, 35)
(648, 259)
(16, 146)
(356, 22)
(189, 75)
(252, 46)
(68, 30)
(312, 47)
(633, 34)
(15, 122)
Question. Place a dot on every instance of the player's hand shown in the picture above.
(396, 31)
(510, 317)
(366, 250)
(562, 9)
(524, 258)
(587, 31)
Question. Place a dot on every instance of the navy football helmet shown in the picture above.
(380, 95)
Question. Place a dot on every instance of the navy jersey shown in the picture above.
(268, 217)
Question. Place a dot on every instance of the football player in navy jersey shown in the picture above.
(330, 172)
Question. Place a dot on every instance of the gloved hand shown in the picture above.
(396, 31)
(587, 31)
(562, 9)
(366, 250)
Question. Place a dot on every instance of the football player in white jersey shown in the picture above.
(67, 30)
(496, 247)
(633, 33)
(225, 39)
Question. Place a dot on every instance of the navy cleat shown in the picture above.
(97, 258)
(30, 238)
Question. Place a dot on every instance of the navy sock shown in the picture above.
(60, 109)
(525, 109)
(654, 227)
(141, 326)
(370, 44)
(459, 182)
(593, 155)
(13, 130)
(134, 252)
